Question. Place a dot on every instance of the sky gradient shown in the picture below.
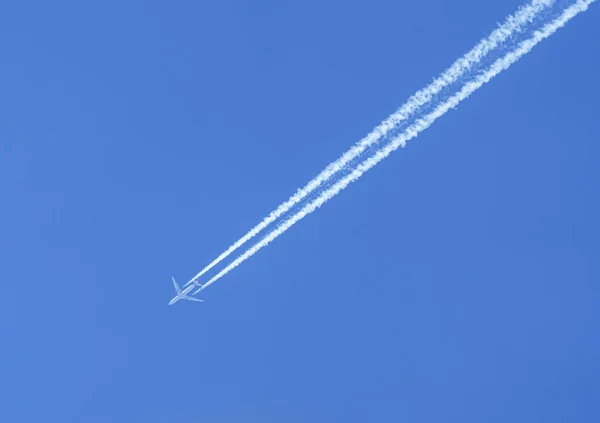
(457, 281)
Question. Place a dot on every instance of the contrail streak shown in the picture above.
(413, 130)
(513, 24)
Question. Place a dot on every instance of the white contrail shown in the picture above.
(413, 130)
(513, 24)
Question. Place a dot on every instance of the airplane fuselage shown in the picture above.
(184, 293)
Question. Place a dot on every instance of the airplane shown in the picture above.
(183, 295)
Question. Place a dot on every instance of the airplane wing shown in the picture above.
(193, 299)
(176, 286)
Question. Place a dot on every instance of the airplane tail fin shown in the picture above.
(176, 286)
(194, 282)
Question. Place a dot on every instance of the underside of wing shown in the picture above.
(176, 286)
(193, 299)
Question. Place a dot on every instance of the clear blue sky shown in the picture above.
(458, 281)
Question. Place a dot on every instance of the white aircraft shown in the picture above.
(183, 295)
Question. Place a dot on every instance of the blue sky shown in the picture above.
(457, 281)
